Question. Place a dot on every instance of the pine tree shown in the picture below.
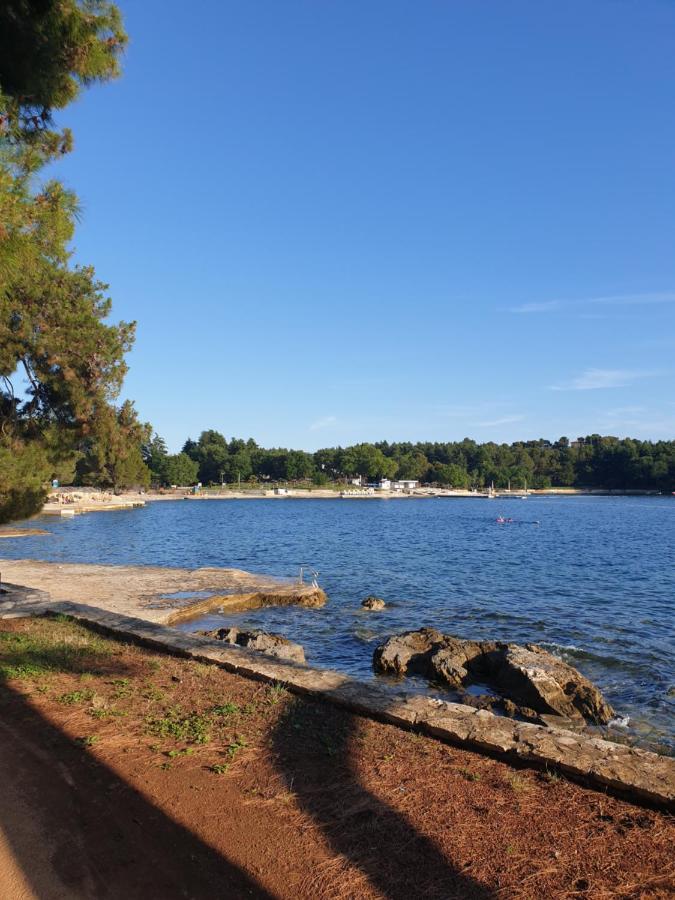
(61, 365)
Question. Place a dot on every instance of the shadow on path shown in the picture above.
(313, 747)
(78, 831)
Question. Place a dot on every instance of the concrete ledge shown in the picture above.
(634, 774)
(17, 601)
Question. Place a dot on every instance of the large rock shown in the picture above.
(409, 652)
(262, 641)
(459, 662)
(430, 653)
(532, 678)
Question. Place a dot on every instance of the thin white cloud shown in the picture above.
(600, 379)
(504, 420)
(547, 306)
(645, 299)
(324, 422)
(622, 411)
(635, 299)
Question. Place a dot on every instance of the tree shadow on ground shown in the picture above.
(78, 831)
(314, 744)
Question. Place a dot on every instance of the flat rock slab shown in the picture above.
(150, 592)
(21, 532)
(635, 774)
(285, 595)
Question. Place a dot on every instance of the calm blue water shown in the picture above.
(594, 581)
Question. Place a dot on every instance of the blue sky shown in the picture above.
(346, 221)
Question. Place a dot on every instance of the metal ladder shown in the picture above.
(312, 573)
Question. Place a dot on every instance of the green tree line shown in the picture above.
(592, 461)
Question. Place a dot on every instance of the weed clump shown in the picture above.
(74, 697)
(192, 728)
(225, 709)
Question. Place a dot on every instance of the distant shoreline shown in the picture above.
(420, 494)
(105, 502)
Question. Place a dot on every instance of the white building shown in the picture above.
(405, 484)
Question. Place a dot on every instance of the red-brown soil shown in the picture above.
(132, 774)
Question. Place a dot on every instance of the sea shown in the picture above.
(590, 578)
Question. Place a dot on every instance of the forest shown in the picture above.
(595, 461)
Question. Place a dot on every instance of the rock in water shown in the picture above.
(430, 653)
(408, 652)
(229, 635)
(533, 677)
(529, 676)
(373, 603)
(455, 660)
(272, 644)
(262, 641)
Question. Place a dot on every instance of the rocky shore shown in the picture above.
(527, 681)
(271, 644)
(542, 704)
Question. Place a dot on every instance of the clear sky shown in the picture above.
(354, 220)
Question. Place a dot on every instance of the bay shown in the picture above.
(589, 578)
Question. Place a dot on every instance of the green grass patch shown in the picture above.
(106, 712)
(186, 751)
(193, 728)
(74, 697)
(235, 746)
(51, 646)
(122, 689)
(275, 693)
(150, 692)
(225, 709)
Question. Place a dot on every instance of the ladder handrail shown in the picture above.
(311, 571)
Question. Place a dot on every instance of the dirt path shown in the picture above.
(131, 774)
